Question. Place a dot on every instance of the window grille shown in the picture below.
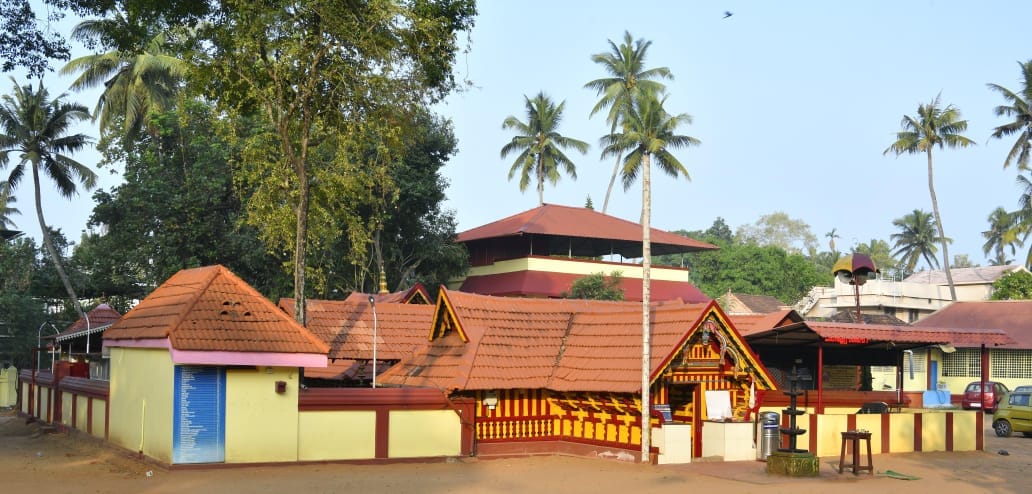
(965, 362)
(1010, 364)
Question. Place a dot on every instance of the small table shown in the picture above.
(855, 437)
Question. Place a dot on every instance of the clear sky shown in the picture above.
(794, 103)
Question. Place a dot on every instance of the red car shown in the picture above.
(974, 398)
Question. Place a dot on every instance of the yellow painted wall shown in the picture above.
(67, 400)
(829, 430)
(423, 433)
(141, 389)
(261, 425)
(44, 412)
(99, 409)
(24, 393)
(337, 435)
(933, 432)
(81, 402)
(901, 433)
(965, 428)
(870, 422)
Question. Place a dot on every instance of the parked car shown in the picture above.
(1014, 415)
(974, 398)
(1022, 389)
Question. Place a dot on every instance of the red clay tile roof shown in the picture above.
(565, 221)
(347, 327)
(100, 317)
(758, 304)
(849, 315)
(1012, 316)
(561, 345)
(747, 324)
(211, 309)
(554, 285)
(812, 333)
(415, 294)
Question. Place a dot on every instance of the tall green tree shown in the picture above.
(1013, 286)
(136, 81)
(540, 145)
(1019, 108)
(1022, 217)
(933, 126)
(781, 230)
(648, 134)
(37, 130)
(998, 237)
(627, 80)
(184, 202)
(6, 208)
(832, 235)
(916, 239)
(597, 286)
(322, 74)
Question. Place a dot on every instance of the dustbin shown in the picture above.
(767, 435)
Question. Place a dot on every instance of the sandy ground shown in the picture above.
(38, 460)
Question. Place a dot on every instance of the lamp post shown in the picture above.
(372, 303)
(854, 269)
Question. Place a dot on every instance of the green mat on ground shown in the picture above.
(900, 476)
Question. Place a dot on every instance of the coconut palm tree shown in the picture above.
(36, 129)
(916, 240)
(540, 144)
(1018, 107)
(135, 82)
(628, 78)
(1022, 226)
(999, 236)
(6, 208)
(933, 126)
(648, 134)
(832, 235)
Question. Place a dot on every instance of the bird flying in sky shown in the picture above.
(728, 13)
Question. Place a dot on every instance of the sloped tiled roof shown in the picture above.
(554, 285)
(561, 345)
(849, 315)
(98, 319)
(964, 276)
(347, 327)
(1012, 316)
(211, 309)
(747, 324)
(552, 219)
(812, 334)
(755, 304)
(415, 294)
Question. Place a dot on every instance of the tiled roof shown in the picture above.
(562, 345)
(849, 315)
(101, 316)
(812, 334)
(554, 285)
(1012, 316)
(347, 327)
(552, 219)
(415, 294)
(747, 324)
(964, 276)
(756, 304)
(211, 309)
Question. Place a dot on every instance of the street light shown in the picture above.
(372, 303)
(854, 269)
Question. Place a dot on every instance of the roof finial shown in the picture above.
(383, 282)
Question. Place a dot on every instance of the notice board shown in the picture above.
(199, 418)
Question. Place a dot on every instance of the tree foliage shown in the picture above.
(1016, 285)
(757, 270)
(597, 286)
(327, 77)
(778, 229)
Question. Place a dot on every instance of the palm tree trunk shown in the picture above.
(646, 324)
(942, 234)
(612, 180)
(49, 243)
(541, 181)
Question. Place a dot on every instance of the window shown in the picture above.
(965, 362)
(1010, 364)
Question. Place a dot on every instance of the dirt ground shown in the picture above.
(39, 460)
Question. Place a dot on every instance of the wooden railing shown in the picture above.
(510, 428)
